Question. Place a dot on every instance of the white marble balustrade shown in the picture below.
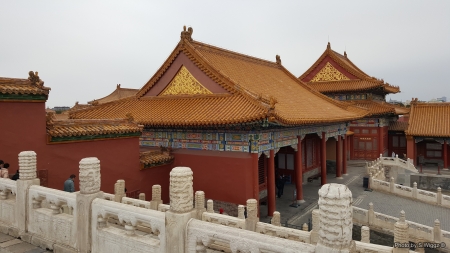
(51, 225)
(112, 238)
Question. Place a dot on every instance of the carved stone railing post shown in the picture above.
(365, 234)
(439, 196)
(119, 190)
(401, 234)
(181, 194)
(371, 214)
(370, 181)
(305, 227)
(27, 171)
(420, 241)
(437, 234)
(156, 197)
(392, 185)
(90, 182)
(252, 216)
(200, 204)
(276, 219)
(210, 206)
(335, 223)
(414, 190)
(142, 196)
(241, 212)
(315, 226)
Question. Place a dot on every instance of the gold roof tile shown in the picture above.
(429, 120)
(259, 89)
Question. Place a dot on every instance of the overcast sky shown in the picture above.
(82, 49)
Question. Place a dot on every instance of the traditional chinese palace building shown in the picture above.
(233, 119)
(337, 77)
(428, 133)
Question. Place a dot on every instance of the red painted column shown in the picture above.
(299, 171)
(410, 148)
(271, 202)
(380, 141)
(344, 154)
(445, 155)
(323, 177)
(338, 157)
(255, 178)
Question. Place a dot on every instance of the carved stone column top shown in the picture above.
(90, 175)
(199, 199)
(156, 192)
(27, 165)
(335, 191)
(181, 190)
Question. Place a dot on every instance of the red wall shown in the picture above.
(23, 127)
(225, 176)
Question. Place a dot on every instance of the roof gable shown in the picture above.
(329, 73)
(184, 78)
(184, 83)
(341, 67)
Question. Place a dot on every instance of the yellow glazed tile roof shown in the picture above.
(374, 107)
(361, 83)
(33, 85)
(398, 125)
(154, 158)
(117, 94)
(259, 89)
(429, 120)
(85, 127)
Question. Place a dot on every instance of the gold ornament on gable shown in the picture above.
(184, 83)
(329, 73)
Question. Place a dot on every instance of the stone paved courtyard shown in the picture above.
(383, 202)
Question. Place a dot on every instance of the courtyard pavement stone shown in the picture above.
(385, 203)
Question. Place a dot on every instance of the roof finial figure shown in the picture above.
(278, 58)
(34, 79)
(329, 45)
(187, 34)
(345, 54)
(129, 117)
(118, 86)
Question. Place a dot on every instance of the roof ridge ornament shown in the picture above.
(129, 117)
(278, 59)
(345, 54)
(34, 79)
(187, 34)
(328, 45)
